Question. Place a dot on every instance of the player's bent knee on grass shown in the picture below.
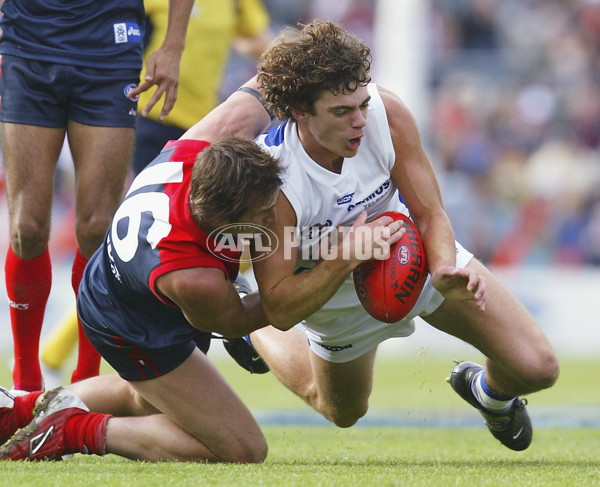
(346, 419)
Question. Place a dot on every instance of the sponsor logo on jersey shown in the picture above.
(127, 89)
(374, 196)
(345, 199)
(127, 32)
(133, 31)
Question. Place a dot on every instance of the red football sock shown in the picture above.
(28, 285)
(86, 433)
(18, 416)
(88, 359)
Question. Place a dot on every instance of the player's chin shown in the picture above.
(348, 153)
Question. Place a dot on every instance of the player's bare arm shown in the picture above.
(415, 178)
(241, 114)
(210, 302)
(289, 298)
(162, 67)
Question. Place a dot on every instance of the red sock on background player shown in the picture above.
(88, 359)
(28, 284)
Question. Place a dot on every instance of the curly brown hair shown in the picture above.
(305, 61)
(229, 177)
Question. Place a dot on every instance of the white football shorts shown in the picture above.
(342, 330)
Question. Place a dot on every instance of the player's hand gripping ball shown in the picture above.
(388, 289)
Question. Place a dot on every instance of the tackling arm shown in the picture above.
(210, 302)
(242, 114)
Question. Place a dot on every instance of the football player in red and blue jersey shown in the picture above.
(149, 298)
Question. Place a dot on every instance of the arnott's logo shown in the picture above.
(234, 237)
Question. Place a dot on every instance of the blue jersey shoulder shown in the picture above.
(275, 135)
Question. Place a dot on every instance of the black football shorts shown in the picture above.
(49, 94)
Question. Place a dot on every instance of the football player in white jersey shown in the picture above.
(353, 149)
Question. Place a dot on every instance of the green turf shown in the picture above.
(419, 380)
(309, 456)
(328, 457)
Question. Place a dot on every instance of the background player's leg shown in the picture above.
(99, 154)
(29, 174)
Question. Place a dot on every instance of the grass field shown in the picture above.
(372, 453)
(323, 456)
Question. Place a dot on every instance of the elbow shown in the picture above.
(280, 319)
(283, 324)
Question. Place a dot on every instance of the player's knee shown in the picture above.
(90, 233)
(543, 372)
(549, 372)
(254, 452)
(349, 415)
(257, 455)
(29, 238)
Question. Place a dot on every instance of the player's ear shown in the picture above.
(299, 115)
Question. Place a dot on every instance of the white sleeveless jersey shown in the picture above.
(342, 330)
(324, 200)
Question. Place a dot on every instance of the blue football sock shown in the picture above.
(488, 398)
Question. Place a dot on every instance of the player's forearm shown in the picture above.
(438, 240)
(251, 317)
(231, 316)
(254, 316)
(179, 16)
(297, 297)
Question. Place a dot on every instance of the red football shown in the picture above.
(388, 289)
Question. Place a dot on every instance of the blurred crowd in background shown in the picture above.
(513, 128)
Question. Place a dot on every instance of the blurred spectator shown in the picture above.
(286, 12)
(355, 15)
(516, 125)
